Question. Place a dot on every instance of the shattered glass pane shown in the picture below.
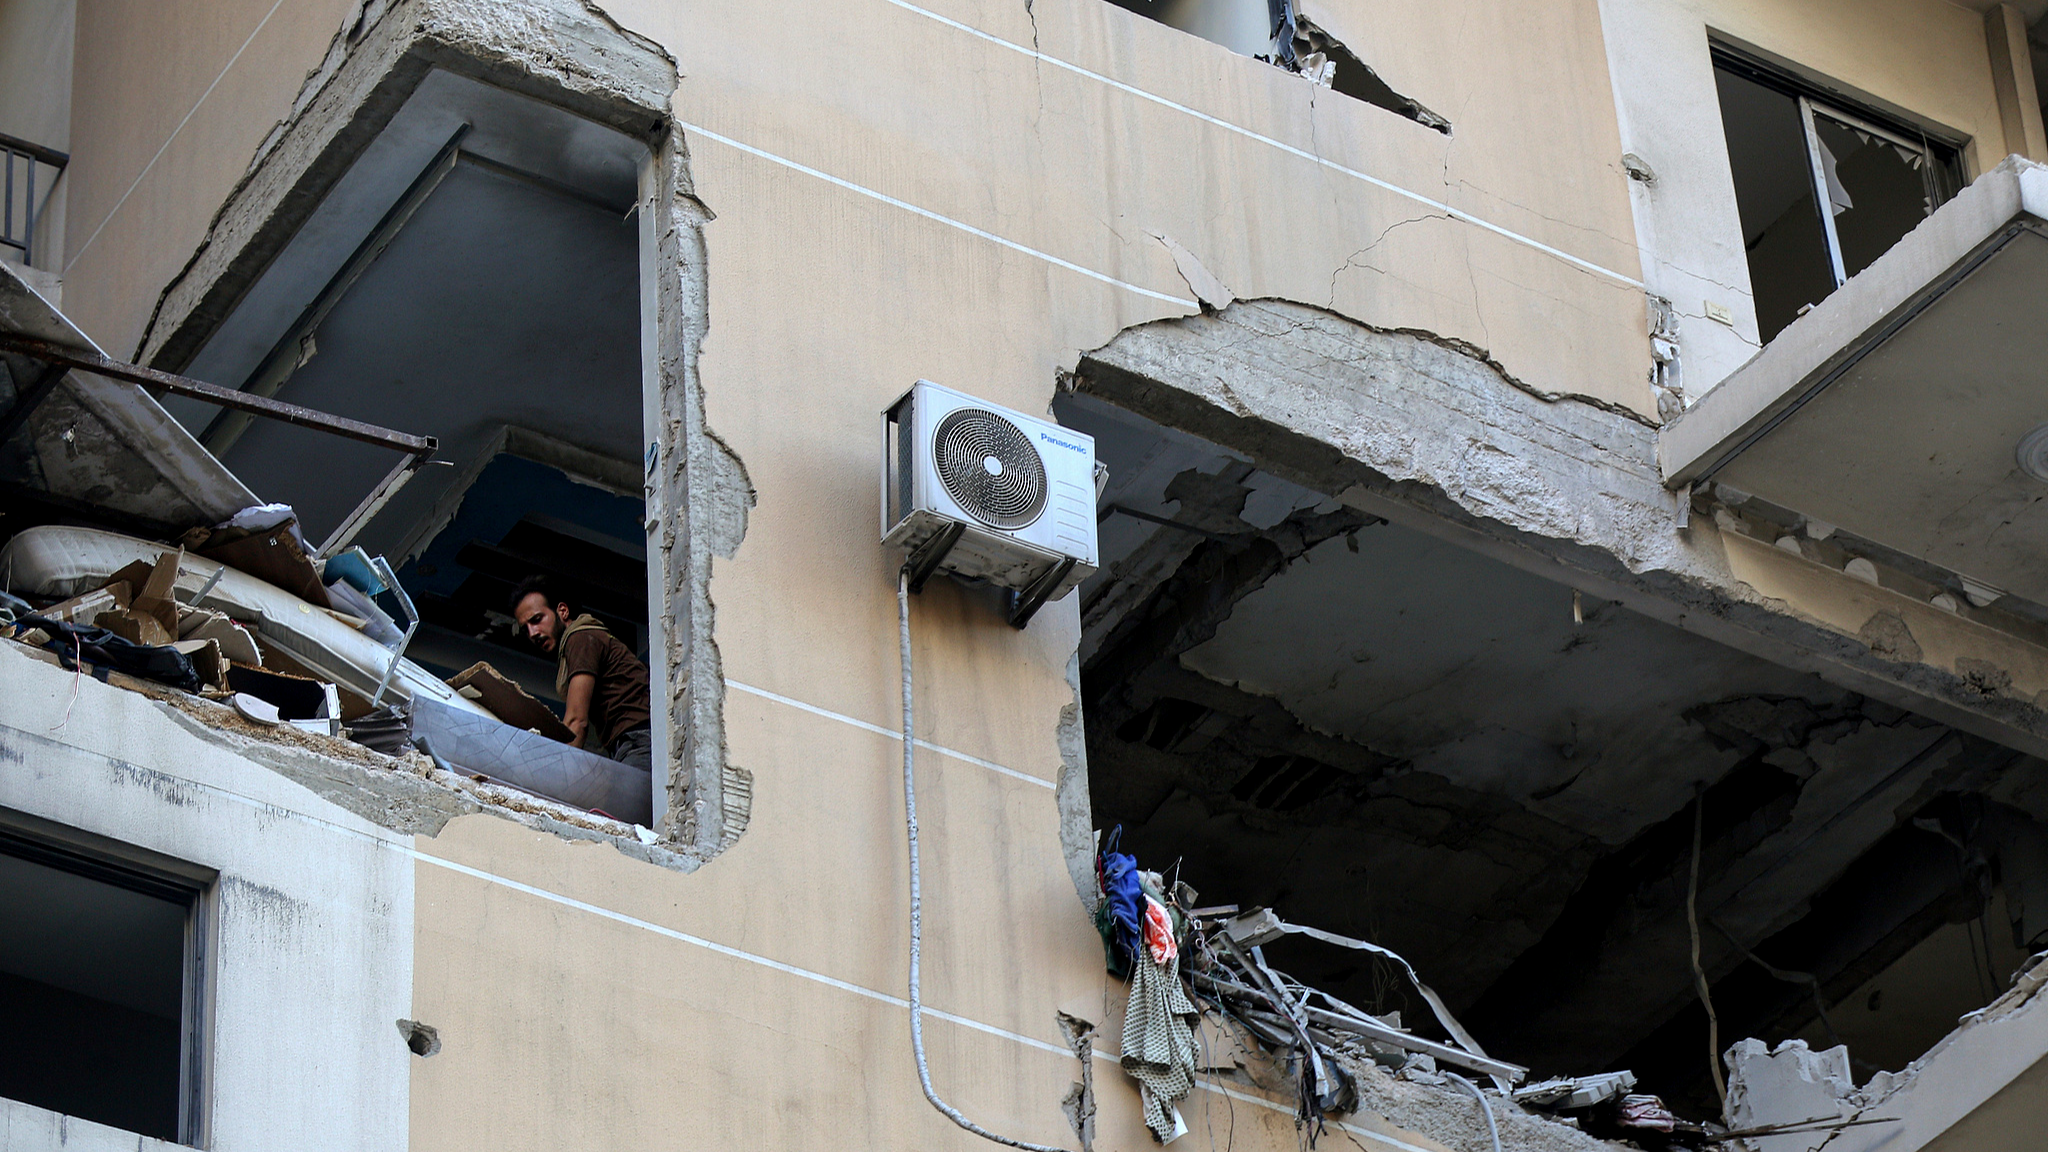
(1877, 187)
(1781, 228)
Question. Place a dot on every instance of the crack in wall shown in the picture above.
(1351, 261)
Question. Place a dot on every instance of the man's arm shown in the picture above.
(576, 707)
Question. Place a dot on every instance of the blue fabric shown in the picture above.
(1122, 896)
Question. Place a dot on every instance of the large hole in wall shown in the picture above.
(475, 277)
(1294, 704)
(1278, 31)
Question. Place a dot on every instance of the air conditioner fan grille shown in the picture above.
(990, 468)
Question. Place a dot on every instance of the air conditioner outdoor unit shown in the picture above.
(988, 495)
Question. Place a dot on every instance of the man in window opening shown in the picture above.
(603, 685)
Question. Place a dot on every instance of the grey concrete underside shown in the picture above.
(1893, 408)
(1399, 425)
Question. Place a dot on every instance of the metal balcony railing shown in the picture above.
(23, 160)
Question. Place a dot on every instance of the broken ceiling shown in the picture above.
(1373, 729)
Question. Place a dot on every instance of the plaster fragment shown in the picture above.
(1212, 292)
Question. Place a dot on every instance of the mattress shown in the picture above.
(63, 561)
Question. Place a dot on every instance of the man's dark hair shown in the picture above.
(545, 587)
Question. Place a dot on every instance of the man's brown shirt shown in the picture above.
(619, 703)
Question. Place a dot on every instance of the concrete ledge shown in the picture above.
(1968, 1091)
(1814, 348)
(27, 1128)
(403, 795)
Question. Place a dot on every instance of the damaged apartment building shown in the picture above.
(1451, 577)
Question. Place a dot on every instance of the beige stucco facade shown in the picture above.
(979, 193)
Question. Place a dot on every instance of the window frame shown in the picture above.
(1942, 167)
(139, 869)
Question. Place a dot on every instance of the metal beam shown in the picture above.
(90, 361)
(1373, 1030)
(50, 156)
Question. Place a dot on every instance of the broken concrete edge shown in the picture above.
(404, 794)
(1314, 33)
(563, 52)
(1974, 1062)
(1439, 439)
(1071, 794)
(699, 493)
(2020, 1002)
(1455, 344)
(418, 799)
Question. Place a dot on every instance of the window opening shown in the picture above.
(490, 297)
(475, 276)
(100, 985)
(1822, 191)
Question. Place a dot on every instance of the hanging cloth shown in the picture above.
(1159, 1041)
(1121, 914)
(1159, 932)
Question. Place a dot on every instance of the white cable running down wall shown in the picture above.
(924, 1075)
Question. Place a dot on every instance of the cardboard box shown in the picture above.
(509, 702)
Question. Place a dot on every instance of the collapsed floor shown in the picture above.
(1294, 705)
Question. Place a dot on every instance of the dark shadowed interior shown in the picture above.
(1379, 733)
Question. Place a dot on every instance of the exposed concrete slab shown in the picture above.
(1430, 436)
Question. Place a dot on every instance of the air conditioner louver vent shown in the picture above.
(990, 468)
